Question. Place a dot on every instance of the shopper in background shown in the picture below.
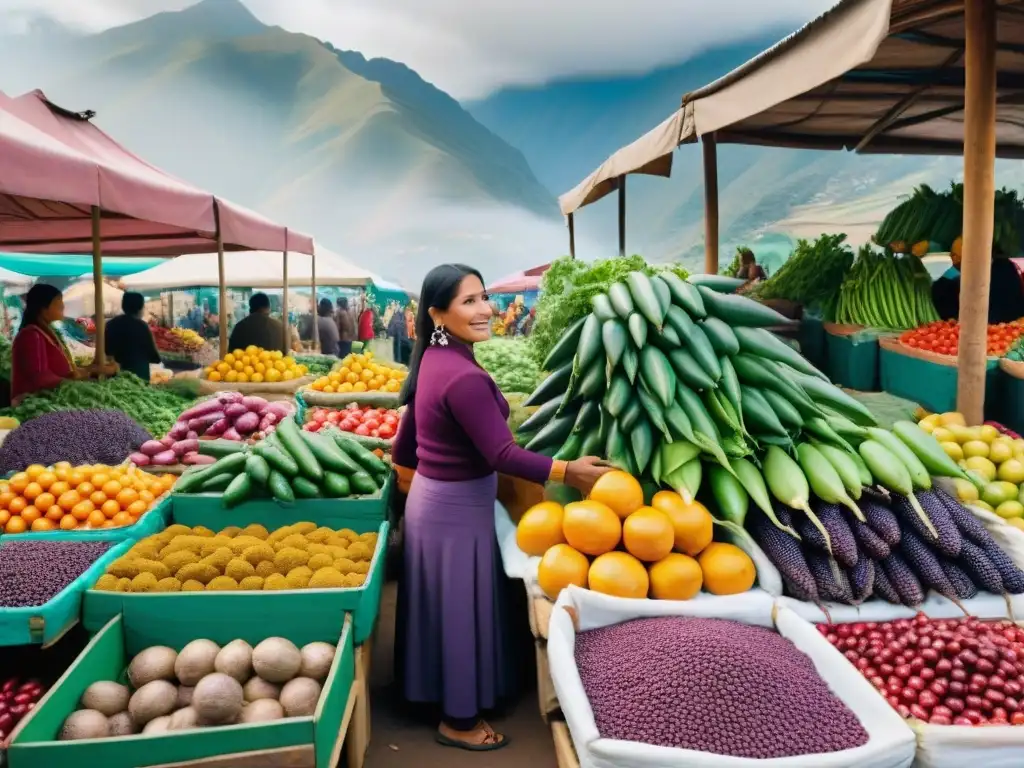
(398, 333)
(1005, 293)
(326, 328)
(259, 329)
(451, 643)
(365, 321)
(749, 271)
(129, 340)
(346, 328)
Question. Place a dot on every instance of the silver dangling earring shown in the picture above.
(439, 338)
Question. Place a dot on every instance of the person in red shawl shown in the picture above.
(366, 321)
(39, 358)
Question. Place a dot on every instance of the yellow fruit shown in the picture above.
(619, 574)
(675, 577)
(561, 566)
(1010, 509)
(728, 570)
(965, 490)
(944, 435)
(953, 450)
(620, 492)
(929, 423)
(999, 491)
(648, 534)
(952, 417)
(1012, 471)
(591, 527)
(987, 433)
(960, 433)
(1016, 522)
(976, 448)
(982, 466)
(540, 528)
(692, 523)
(1000, 450)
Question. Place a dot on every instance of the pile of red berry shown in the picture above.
(940, 671)
(360, 420)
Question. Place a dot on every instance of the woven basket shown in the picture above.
(341, 399)
(263, 388)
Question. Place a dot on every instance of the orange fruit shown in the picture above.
(540, 528)
(46, 479)
(137, 508)
(97, 498)
(17, 505)
(75, 477)
(65, 465)
(4, 517)
(146, 496)
(561, 566)
(34, 470)
(96, 519)
(16, 525)
(108, 524)
(110, 508)
(728, 570)
(85, 489)
(5, 498)
(591, 527)
(619, 574)
(43, 524)
(675, 577)
(59, 487)
(126, 497)
(111, 488)
(122, 518)
(53, 512)
(68, 523)
(620, 492)
(692, 524)
(32, 490)
(68, 500)
(82, 510)
(44, 500)
(19, 482)
(30, 514)
(648, 534)
(99, 479)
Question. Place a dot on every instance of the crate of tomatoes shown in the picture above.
(374, 427)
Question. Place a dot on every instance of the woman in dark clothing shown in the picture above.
(1005, 297)
(749, 270)
(327, 329)
(129, 340)
(346, 328)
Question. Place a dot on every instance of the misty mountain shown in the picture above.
(363, 154)
(767, 196)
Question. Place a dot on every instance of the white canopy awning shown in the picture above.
(14, 282)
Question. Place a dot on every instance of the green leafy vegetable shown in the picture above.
(510, 363)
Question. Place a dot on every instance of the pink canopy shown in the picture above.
(520, 282)
(56, 166)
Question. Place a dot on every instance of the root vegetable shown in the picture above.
(152, 447)
(139, 459)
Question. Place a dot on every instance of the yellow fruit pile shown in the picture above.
(360, 373)
(995, 459)
(254, 365)
(300, 556)
(89, 496)
(669, 553)
(189, 339)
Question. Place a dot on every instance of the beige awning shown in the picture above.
(874, 76)
(651, 154)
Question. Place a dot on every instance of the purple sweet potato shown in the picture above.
(247, 423)
(152, 448)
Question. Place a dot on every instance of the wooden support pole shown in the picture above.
(979, 205)
(572, 237)
(222, 289)
(710, 153)
(97, 285)
(284, 308)
(316, 313)
(622, 215)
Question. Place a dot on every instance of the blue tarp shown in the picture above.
(58, 265)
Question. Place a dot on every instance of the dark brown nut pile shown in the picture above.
(34, 572)
(713, 686)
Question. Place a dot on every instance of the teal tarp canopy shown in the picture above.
(57, 265)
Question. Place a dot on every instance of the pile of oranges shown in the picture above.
(255, 365)
(360, 373)
(89, 496)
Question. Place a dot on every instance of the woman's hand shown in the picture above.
(582, 473)
(78, 374)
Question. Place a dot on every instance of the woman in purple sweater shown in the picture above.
(450, 643)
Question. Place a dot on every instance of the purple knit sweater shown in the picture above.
(456, 427)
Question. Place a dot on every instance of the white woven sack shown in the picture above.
(984, 606)
(891, 742)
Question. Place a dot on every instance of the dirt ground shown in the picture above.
(400, 741)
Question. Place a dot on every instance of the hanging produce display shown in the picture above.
(943, 337)
(887, 291)
(299, 556)
(812, 275)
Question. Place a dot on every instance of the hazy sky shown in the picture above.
(470, 47)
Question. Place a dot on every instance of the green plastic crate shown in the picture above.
(146, 624)
(812, 339)
(153, 521)
(852, 361)
(362, 602)
(46, 623)
(931, 384)
(1009, 405)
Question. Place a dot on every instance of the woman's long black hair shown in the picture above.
(38, 298)
(440, 286)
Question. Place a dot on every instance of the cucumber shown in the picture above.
(277, 459)
(721, 336)
(589, 416)
(562, 353)
(553, 387)
(291, 440)
(279, 487)
(656, 372)
(758, 413)
(570, 448)
(364, 458)
(258, 470)
(554, 433)
(192, 480)
(688, 371)
(220, 448)
(649, 404)
(645, 298)
(685, 295)
(238, 491)
(592, 383)
(615, 337)
(618, 396)
(824, 480)
(716, 283)
(641, 439)
(631, 364)
(328, 454)
(602, 307)
(845, 466)
(305, 489)
(362, 483)
(634, 409)
(680, 321)
(741, 311)
(592, 444)
(336, 486)
(661, 290)
(753, 483)
(668, 339)
(758, 341)
(541, 416)
(730, 495)
(621, 300)
(785, 410)
(700, 347)
(217, 483)
(919, 474)
(589, 347)
(638, 329)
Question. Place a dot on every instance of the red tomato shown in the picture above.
(391, 418)
(372, 424)
(352, 407)
(334, 417)
(374, 433)
(363, 430)
(348, 424)
(320, 417)
(387, 430)
(315, 426)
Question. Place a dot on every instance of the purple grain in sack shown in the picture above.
(713, 686)
(33, 572)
